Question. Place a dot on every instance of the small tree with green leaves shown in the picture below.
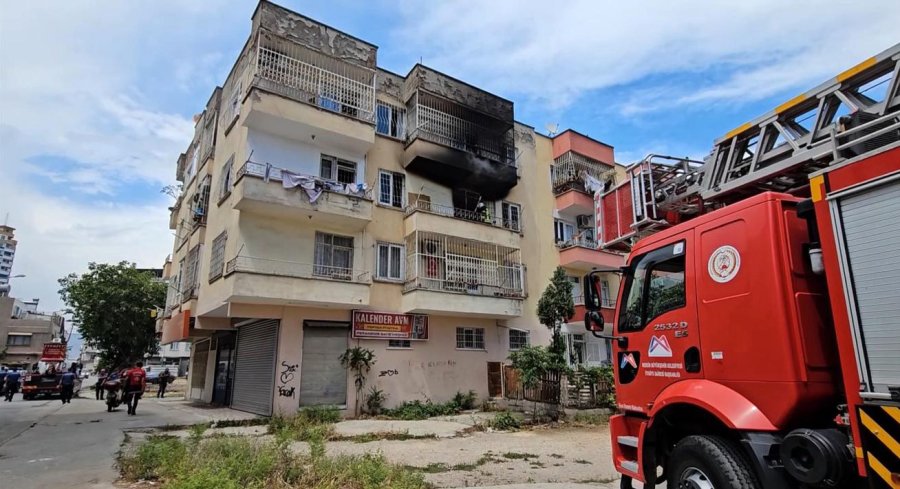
(360, 361)
(554, 309)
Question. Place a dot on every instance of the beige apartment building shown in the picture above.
(328, 203)
(24, 330)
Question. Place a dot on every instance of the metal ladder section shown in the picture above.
(856, 112)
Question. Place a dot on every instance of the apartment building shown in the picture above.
(328, 203)
(23, 332)
(8, 245)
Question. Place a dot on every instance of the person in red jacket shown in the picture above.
(135, 382)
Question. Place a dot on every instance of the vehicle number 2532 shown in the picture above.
(670, 326)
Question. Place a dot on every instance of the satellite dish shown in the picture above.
(552, 128)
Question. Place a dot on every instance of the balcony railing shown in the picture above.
(450, 264)
(604, 303)
(482, 217)
(442, 127)
(297, 72)
(269, 172)
(283, 268)
(574, 171)
(578, 241)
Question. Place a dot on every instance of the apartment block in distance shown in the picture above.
(7, 252)
(328, 203)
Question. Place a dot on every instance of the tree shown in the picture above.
(554, 309)
(112, 303)
(360, 361)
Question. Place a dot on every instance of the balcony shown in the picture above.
(327, 99)
(572, 171)
(459, 147)
(451, 275)
(607, 309)
(425, 216)
(583, 254)
(260, 189)
(266, 281)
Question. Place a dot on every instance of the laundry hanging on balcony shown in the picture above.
(311, 185)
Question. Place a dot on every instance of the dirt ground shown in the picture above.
(568, 455)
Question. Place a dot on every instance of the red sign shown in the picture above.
(54, 352)
(389, 326)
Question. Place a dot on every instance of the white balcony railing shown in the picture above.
(571, 171)
(483, 217)
(578, 241)
(450, 264)
(284, 268)
(444, 128)
(274, 173)
(297, 72)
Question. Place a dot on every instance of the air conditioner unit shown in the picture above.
(584, 221)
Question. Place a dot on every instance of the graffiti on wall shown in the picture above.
(389, 373)
(287, 375)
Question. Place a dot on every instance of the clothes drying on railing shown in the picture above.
(314, 186)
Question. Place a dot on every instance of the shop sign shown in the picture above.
(389, 326)
(54, 352)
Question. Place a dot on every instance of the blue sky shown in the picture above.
(96, 98)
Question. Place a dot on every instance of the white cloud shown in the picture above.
(555, 53)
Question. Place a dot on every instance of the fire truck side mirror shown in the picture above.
(591, 290)
(593, 321)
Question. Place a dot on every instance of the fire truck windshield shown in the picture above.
(654, 284)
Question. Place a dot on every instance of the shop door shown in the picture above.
(323, 381)
(254, 369)
(224, 371)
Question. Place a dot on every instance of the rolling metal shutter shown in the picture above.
(871, 224)
(323, 381)
(254, 371)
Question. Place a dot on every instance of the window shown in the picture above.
(333, 168)
(334, 256)
(234, 105)
(192, 165)
(517, 339)
(511, 216)
(389, 261)
(225, 182)
(399, 344)
(604, 294)
(576, 345)
(201, 201)
(470, 338)
(470, 205)
(18, 340)
(390, 120)
(391, 188)
(217, 257)
(654, 285)
(577, 295)
(191, 277)
(563, 231)
(173, 346)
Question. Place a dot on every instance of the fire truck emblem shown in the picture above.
(628, 359)
(659, 347)
(724, 264)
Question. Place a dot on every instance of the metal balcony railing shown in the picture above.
(297, 72)
(578, 241)
(571, 171)
(442, 127)
(270, 172)
(482, 217)
(285, 268)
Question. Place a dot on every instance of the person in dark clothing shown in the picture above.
(101, 378)
(3, 372)
(67, 386)
(12, 384)
(164, 379)
(135, 383)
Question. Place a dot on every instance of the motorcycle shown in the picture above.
(115, 394)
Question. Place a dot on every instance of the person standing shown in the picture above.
(12, 384)
(135, 383)
(67, 385)
(98, 387)
(164, 379)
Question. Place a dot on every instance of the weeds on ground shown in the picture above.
(311, 424)
(591, 419)
(375, 401)
(413, 410)
(248, 463)
(504, 421)
(519, 455)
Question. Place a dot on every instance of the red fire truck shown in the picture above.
(757, 331)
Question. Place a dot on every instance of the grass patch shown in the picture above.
(248, 463)
(590, 419)
(504, 421)
(583, 461)
(519, 455)
(389, 436)
(414, 410)
(310, 425)
(556, 455)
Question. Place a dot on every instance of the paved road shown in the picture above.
(46, 444)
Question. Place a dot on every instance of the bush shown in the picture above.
(375, 401)
(157, 458)
(310, 424)
(464, 402)
(504, 421)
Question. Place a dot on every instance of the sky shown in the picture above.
(97, 97)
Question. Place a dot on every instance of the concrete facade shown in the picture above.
(251, 246)
(23, 335)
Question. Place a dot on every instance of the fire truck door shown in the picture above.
(660, 323)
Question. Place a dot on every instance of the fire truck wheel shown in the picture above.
(709, 462)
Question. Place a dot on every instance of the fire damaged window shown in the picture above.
(654, 285)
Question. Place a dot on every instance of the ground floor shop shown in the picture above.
(286, 358)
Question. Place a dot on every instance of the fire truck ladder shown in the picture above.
(853, 113)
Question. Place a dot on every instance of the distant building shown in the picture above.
(23, 333)
(7, 252)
